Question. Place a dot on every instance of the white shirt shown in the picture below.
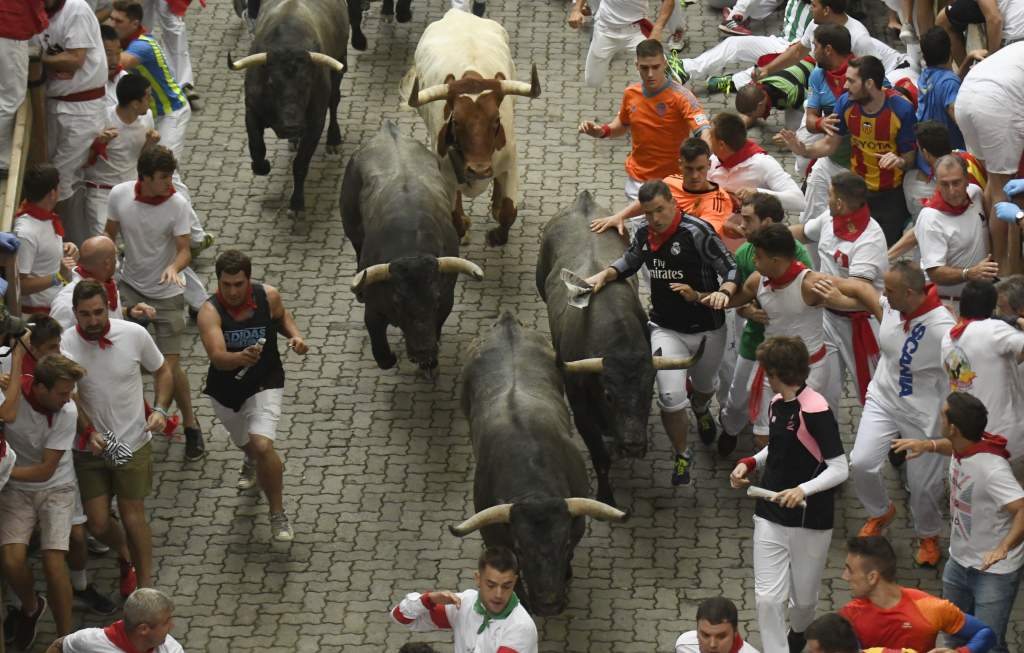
(687, 643)
(983, 362)
(619, 13)
(516, 632)
(111, 391)
(1013, 19)
(149, 234)
(75, 27)
(866, 257)
(959, 241)
(62, 310)
(999, 75)
(789, 314)
(122, 151)
(860, 38)
(6, 465)
(39, 255)
(94, 640)
(112, 88)
(31, 434)
(980, 486)
(910, 379)
(762, 172)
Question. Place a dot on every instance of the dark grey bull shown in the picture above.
(605, 347)
(395, 208)
(531, 483)
(293, 77)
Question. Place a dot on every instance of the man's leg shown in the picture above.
(174, 37)
(734, 416)
(95, 210)
(889, 209)
(772, 582)
(182, 391)
(13, 83)
(58, 588)
(17, 573)
(603, 47)
(994, 595)
(733, 329)
(739, 51)
(140, 538)
(875, 433)
(809, 550)
(269, 470)
(926, 479)
(703, 377)
(1000, 232)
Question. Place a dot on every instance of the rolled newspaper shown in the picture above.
(768, 495)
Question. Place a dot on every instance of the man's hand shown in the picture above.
(591, 128)
(66, 265)
(170, 275)
(890, 161)
(107, 135)
(5, 380)
(752, 312)
(152, 136)
(142, 310)
(598, 280)
(600, 225)
(795, 145)
(688, 293)
(913, 448)
(778, 141)
(738, 478)
(248, 356)
(716, 300)
(1007, 211)
(1014, 187)
(71, 251)
(444, 598)
(298, 345)
(97, 443)
(986, 270)
(827, 290)
(575, 18)
(656, 33)
(746, 194)
(790, 498)
(993, 556)
(156, 422)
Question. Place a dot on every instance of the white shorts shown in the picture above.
(703, 375)
(257, 416)
(993, 134)
(632, 188)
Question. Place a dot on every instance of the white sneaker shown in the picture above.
(280, 528)
(247, 476)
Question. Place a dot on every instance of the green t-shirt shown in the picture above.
(753, 332)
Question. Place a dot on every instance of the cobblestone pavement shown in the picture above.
(379, 462)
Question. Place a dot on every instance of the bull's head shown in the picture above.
(288, 77)
(627, 381)
(417, 284)
(472, 128)
(542, 532)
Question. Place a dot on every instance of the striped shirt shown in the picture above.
(796, 18)
(788, 87)
(872, 135)
(166, 94)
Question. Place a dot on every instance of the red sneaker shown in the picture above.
(129, 581)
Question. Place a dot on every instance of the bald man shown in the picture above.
(97, 260)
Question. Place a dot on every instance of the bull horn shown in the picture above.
(371, 275)
(594, 509)
(321, 59)
(498, 514)
(258, 59)
(591, 365)
(678, 362)
(530, 90)
(418, 98)
(457, 265)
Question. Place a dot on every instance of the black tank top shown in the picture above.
(267, 373)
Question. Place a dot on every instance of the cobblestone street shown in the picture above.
(379, 463)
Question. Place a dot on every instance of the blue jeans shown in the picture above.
(987, 596)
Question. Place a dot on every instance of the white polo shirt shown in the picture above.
(62, 310)
(39, 255)
(111, 391)
(32, 433)
(122, 151)
(149, 233)
(866, 257)
(979, 487)
(95, 640)
(959, 241)
(75, 27)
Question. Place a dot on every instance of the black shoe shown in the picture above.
(194, 447)
(706, 427)
(478, 8)
(26, 626)
(796, 642)
(10, 622)
(726, 444)
(90, 599)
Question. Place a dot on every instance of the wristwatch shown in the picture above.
(1017, 218)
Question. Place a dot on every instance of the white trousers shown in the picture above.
(733, 328)
(755, 9)
(703, 375)
(925, 474)
(816, 194)
(13, 84)
(608, 42)
(742, 51)
(839, 344)
(96, 210)
(195, 290)
(173, 38)
(70, 130)
(173, 127)
(788, 564)
(916, 189)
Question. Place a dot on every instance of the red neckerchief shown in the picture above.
(850, 226)
(152, 201)
(939, 203)
(111, 74)
(654, 240)
(39, 213)
(97, 151)
(989, 443)
(118, 636)
(125, 42)
(836, 79)
(749, 149)
(109, 284)
(792, 272)
(50, 11)
(960, 326)
(737, 644)
(26, 389)
(103, 341)
(236, 312)
(931, 302)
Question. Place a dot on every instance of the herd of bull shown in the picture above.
(401, 207)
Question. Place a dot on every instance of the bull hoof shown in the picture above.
(359, 41)
(387, 19)
(387, 363)
(261, 168)
(497, 237)
(403, 16)
(296, 214)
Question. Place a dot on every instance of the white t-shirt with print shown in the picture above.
(39, 255)
(980, 486)
(31, 433)
(867, 257)
(958, 241)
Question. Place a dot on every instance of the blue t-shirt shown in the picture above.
(937, 89)
(166, 95)
(821, 97)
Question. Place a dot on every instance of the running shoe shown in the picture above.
(796, 642)
(247, 476)
(194, 447)
(676, 67)
(10, 622)
(876, 525)
(280, 528)
(26, 626)
(734, 27)
(479, 8)
(197, 248)
(129, 579)
(95, 546)
(681, 472)
(90, 599)
(721, 84)
(907, 34)
(726, 444)
(706, 427)
(928, 554)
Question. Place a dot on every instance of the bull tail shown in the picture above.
(405, 86)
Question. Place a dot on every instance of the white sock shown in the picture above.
(79, 579)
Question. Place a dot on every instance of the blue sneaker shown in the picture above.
(681, 472)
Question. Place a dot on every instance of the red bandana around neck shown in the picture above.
(103, 341)
(152, 201)
(237, 312)
(737, 644)
(51, 11)
(836, 79)
(749, 149)
(111, 74)
(850, 226)
(655, 240)
(961, 326)
(931, 301)
(939, 203)
(118, 636)
(125, 42)
(989, 443)
(39, 213)
(109, 284)
(26, 390)
(784, 279)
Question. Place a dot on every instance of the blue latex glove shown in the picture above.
(9, 242)
(1007, 211)
(1014, 187)
(3, 286)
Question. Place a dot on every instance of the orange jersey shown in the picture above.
(713, 206)
(914, 622)
(659, 124)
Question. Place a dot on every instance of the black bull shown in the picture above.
(530, 487)
(604, 348)
(395, 209)
(293, 77)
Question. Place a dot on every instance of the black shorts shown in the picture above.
(962, 13)
(889, 209)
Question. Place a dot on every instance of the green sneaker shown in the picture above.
(721, 84)
(681, 473)
(676, 67)
(206, 243)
